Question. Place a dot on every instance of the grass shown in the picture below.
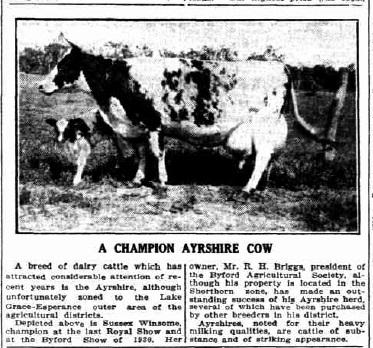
(305, 193)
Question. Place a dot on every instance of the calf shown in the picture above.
(74, 134)
(78, 138)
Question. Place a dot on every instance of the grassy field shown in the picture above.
(304, 193)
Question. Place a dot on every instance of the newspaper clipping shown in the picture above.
(185, 173)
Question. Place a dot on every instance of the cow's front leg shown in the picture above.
(163, 178)
(262, 159)
(156, 143)
(141, 155)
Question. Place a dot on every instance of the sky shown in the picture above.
(301, 42)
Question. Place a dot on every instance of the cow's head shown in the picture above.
(69, 130)
(66, 73)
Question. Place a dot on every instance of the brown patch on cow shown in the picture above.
(179, 96)
(164, 97)
(206, 111)
(183, 114)
(193, 91)
(184, 61)
(171, 79)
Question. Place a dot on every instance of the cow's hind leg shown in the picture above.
(244, 140)
(163, 178)
(263, 182)
(261, 162)
(140, 149)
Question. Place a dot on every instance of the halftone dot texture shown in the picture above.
(304, 193)
(321, 42)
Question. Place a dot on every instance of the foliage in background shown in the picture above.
(319, 77)
(40, 60)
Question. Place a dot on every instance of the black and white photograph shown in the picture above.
(187, 126)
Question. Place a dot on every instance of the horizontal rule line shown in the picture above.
(277, 5)
(189, 346)
(110, 19)
(90, 3)
(181, 4)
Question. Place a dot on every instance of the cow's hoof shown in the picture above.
(255, 195)
(160, 191)
(152, 184)
(76, 182)
(163, 180)
(138, 180)
(252, 196)
(79, 185)
(242, 196)
(134, 184)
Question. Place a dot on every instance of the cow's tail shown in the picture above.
(315, 133)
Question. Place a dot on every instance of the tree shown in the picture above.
(31, 60)
(52, 53)
(126, 52)
(270, 53)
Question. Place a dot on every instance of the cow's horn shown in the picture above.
(62, 39)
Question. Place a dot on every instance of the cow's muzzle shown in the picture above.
(47, 90)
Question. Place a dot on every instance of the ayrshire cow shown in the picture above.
(239, 104)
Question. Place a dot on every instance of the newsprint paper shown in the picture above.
(185, 173)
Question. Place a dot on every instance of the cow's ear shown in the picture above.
(51, 121)
(63, 41)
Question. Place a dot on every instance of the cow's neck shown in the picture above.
(108, 78)
(96, 72)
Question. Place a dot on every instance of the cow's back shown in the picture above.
(210, 93)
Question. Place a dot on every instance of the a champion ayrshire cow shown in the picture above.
(207, 103)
